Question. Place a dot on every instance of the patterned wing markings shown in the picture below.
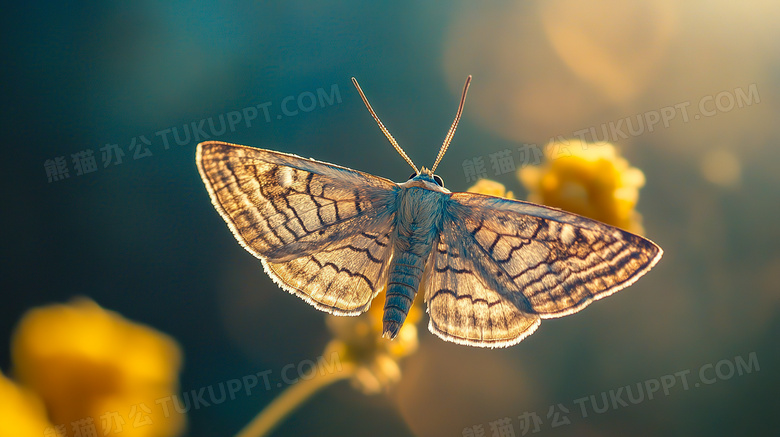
(500, 266)
(308, 222)
(462, 306)
(558, 262)
(342, 279)
(280, 206)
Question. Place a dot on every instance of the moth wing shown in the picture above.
(321, 231)
(502, 265)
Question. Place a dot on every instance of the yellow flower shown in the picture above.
(587, 179)
(359, 340)
(96, 371)
(365, 357)
(22, 413)
(491, 188)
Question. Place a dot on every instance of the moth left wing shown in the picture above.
(321, 231)
(342, 278)
(524, 260)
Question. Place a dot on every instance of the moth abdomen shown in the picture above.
(402, 285)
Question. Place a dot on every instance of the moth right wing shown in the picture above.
(463, 307)
(502, 265)
(321, 231)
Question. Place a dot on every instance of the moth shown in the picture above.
(491, 268)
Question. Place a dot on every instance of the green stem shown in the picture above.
(290, 399)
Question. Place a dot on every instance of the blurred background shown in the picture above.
(686, 91)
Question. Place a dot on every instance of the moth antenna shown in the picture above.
(454, 126)
(383, 128)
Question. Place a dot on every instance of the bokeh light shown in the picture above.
(687, 93)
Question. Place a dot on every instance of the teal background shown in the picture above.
(142, 238)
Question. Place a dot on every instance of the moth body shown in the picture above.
(417, 223)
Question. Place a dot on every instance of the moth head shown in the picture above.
(427, 180)
(447, 139)
(423, 175)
